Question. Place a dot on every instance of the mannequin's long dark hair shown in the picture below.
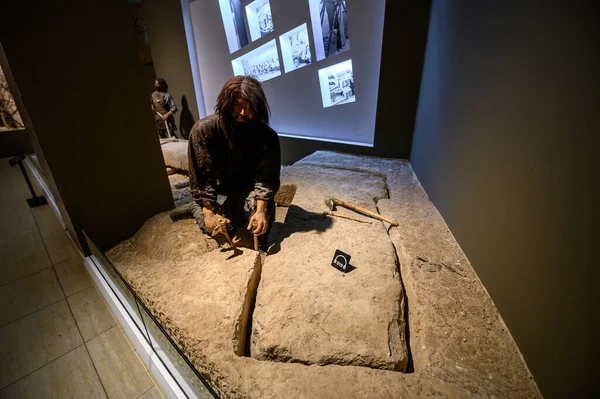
(162, 85)
(250, 90)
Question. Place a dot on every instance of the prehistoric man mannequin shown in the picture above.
(164, 108)
(235, 153)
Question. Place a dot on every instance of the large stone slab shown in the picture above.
(309, 312)
(175, 154)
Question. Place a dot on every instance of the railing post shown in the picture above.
(35, 200)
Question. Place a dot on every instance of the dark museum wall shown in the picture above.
(403, 50)
(29, 142)
(503, 146)
(14, 142)
(167, 39)
(77, 69)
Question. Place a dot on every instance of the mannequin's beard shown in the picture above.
(240, 132)
(242, 125)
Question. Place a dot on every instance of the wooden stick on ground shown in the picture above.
(333, 202)
(346, 217)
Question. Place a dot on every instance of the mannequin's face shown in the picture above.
(241, 111)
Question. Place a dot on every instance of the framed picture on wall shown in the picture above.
(295, 48)
(337, 84)
(260, 19)
(261, 63)
(330, 27)
(232, 13)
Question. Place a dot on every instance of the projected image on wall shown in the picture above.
(330, 27)
(261, 63)
(232, 13)
(260, 21)
(337, 84)
(295, 48)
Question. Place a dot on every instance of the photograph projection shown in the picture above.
(337, 84)
(232, 14)
(295, 48)
(261, 63)
(260, 20)
(330, 27)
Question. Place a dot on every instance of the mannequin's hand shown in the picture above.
(210, 219)
(260, 218)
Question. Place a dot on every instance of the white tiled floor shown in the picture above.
(58, 339)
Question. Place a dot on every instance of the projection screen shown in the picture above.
(322, 85)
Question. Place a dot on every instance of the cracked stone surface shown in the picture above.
(459, 344)
(175, 155)
(309, 312)
(181, 195)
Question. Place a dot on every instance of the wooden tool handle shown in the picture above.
(367, 212)
(254, 225)
(346, 217)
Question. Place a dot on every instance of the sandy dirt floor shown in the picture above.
(411, 320)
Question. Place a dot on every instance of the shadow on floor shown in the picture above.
(297, 220)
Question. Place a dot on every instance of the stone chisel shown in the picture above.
(222, 229)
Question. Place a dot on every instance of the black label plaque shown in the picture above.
(341, 261)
